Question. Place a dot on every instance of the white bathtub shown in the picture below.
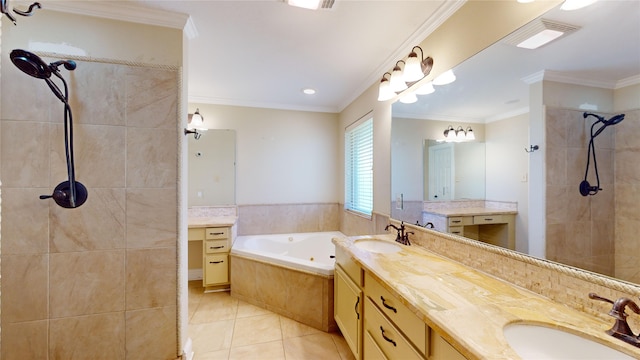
(310, 252)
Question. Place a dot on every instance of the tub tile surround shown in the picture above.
(288, 218)
(472, 319)
(304, 297)
(78, 274)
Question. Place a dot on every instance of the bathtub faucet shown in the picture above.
(402, 237)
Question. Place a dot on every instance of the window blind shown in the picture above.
(359, 168)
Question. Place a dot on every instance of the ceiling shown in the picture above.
(494, 84)
(263, 53)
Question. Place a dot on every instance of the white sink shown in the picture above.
(377, 246)
(540, 342)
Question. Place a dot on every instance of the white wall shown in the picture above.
(508, 169)
(282, 156)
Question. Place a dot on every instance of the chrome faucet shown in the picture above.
(402, 237)
(621, 328)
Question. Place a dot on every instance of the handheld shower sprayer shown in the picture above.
(585, 187)
(70, 193)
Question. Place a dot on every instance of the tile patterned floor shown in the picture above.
(222, 327)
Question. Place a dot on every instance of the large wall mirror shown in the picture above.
(212, 168)
(503, 93)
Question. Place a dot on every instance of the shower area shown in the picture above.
(96, 281)
(594, 230)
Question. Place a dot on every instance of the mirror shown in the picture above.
(503, 93)
(212, 168)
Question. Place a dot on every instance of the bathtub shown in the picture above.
(289, 274)
(312, 252)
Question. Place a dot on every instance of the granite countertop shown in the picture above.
(470, 211)
(206, 221)
(468, 307)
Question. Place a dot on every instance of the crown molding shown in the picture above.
(119, 10)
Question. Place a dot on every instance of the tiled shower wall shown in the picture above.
(596, 233)
(99, 281)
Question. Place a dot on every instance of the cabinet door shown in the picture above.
(348, 310)
(440, 349)
(370, 349)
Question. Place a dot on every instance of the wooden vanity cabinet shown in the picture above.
(348, 301)
(393, 331)
(216, 245)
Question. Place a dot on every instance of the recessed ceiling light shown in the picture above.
(309, 91)
(307, 4)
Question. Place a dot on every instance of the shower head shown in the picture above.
(614, 120)
(30, 64)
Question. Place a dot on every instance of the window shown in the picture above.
(359, 167)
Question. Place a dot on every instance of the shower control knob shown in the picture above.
(62, 195)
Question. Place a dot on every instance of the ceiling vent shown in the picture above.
(311, 4)
(538, 32)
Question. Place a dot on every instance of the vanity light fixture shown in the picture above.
(397, 81)
(569, 5)
(409, 98)
(445, 78)
(384, 90)
(459, 134)
(196, 120)
(196, 134)
(415, 69)
(426, 89)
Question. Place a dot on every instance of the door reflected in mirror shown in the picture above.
(454, 171)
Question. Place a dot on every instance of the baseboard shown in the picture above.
(188, 350)
(195, 274)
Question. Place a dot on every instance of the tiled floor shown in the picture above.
(222, 327)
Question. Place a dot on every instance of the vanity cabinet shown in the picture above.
(348, 301)
(495, 229)
(216, 243)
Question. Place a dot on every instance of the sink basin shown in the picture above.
(377, 246)
(540, 342)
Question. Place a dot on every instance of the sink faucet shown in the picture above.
(621, 329)
(402, 237)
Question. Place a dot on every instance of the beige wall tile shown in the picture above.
(98, 105)
(151, 158)
(99, 336)
(25, 291)
(304, 297)
(243, 277)
(97, 225)
(25, 340)
(24, 97)
(91, 142)
(87, 282)
(272, 284)
(151, 100)
(151, 218)
(162, 345)
(25, 154)
(25, 229)
(150, 281)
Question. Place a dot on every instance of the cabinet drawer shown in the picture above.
(216, 246)
(196, 234)
(457, 230)
(371, 350)
(488, 219)
(412, 326)
(217, 233)
(216, 269)
(460, 220)
(386, 335)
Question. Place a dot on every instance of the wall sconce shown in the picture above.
(415, 69)
(408, 98)
(196, 122)
(399, 79)
(384, 91)
(445, 78)
(196, 134)
(459, 134)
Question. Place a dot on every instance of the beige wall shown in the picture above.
(77, 282)
(282, 156)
